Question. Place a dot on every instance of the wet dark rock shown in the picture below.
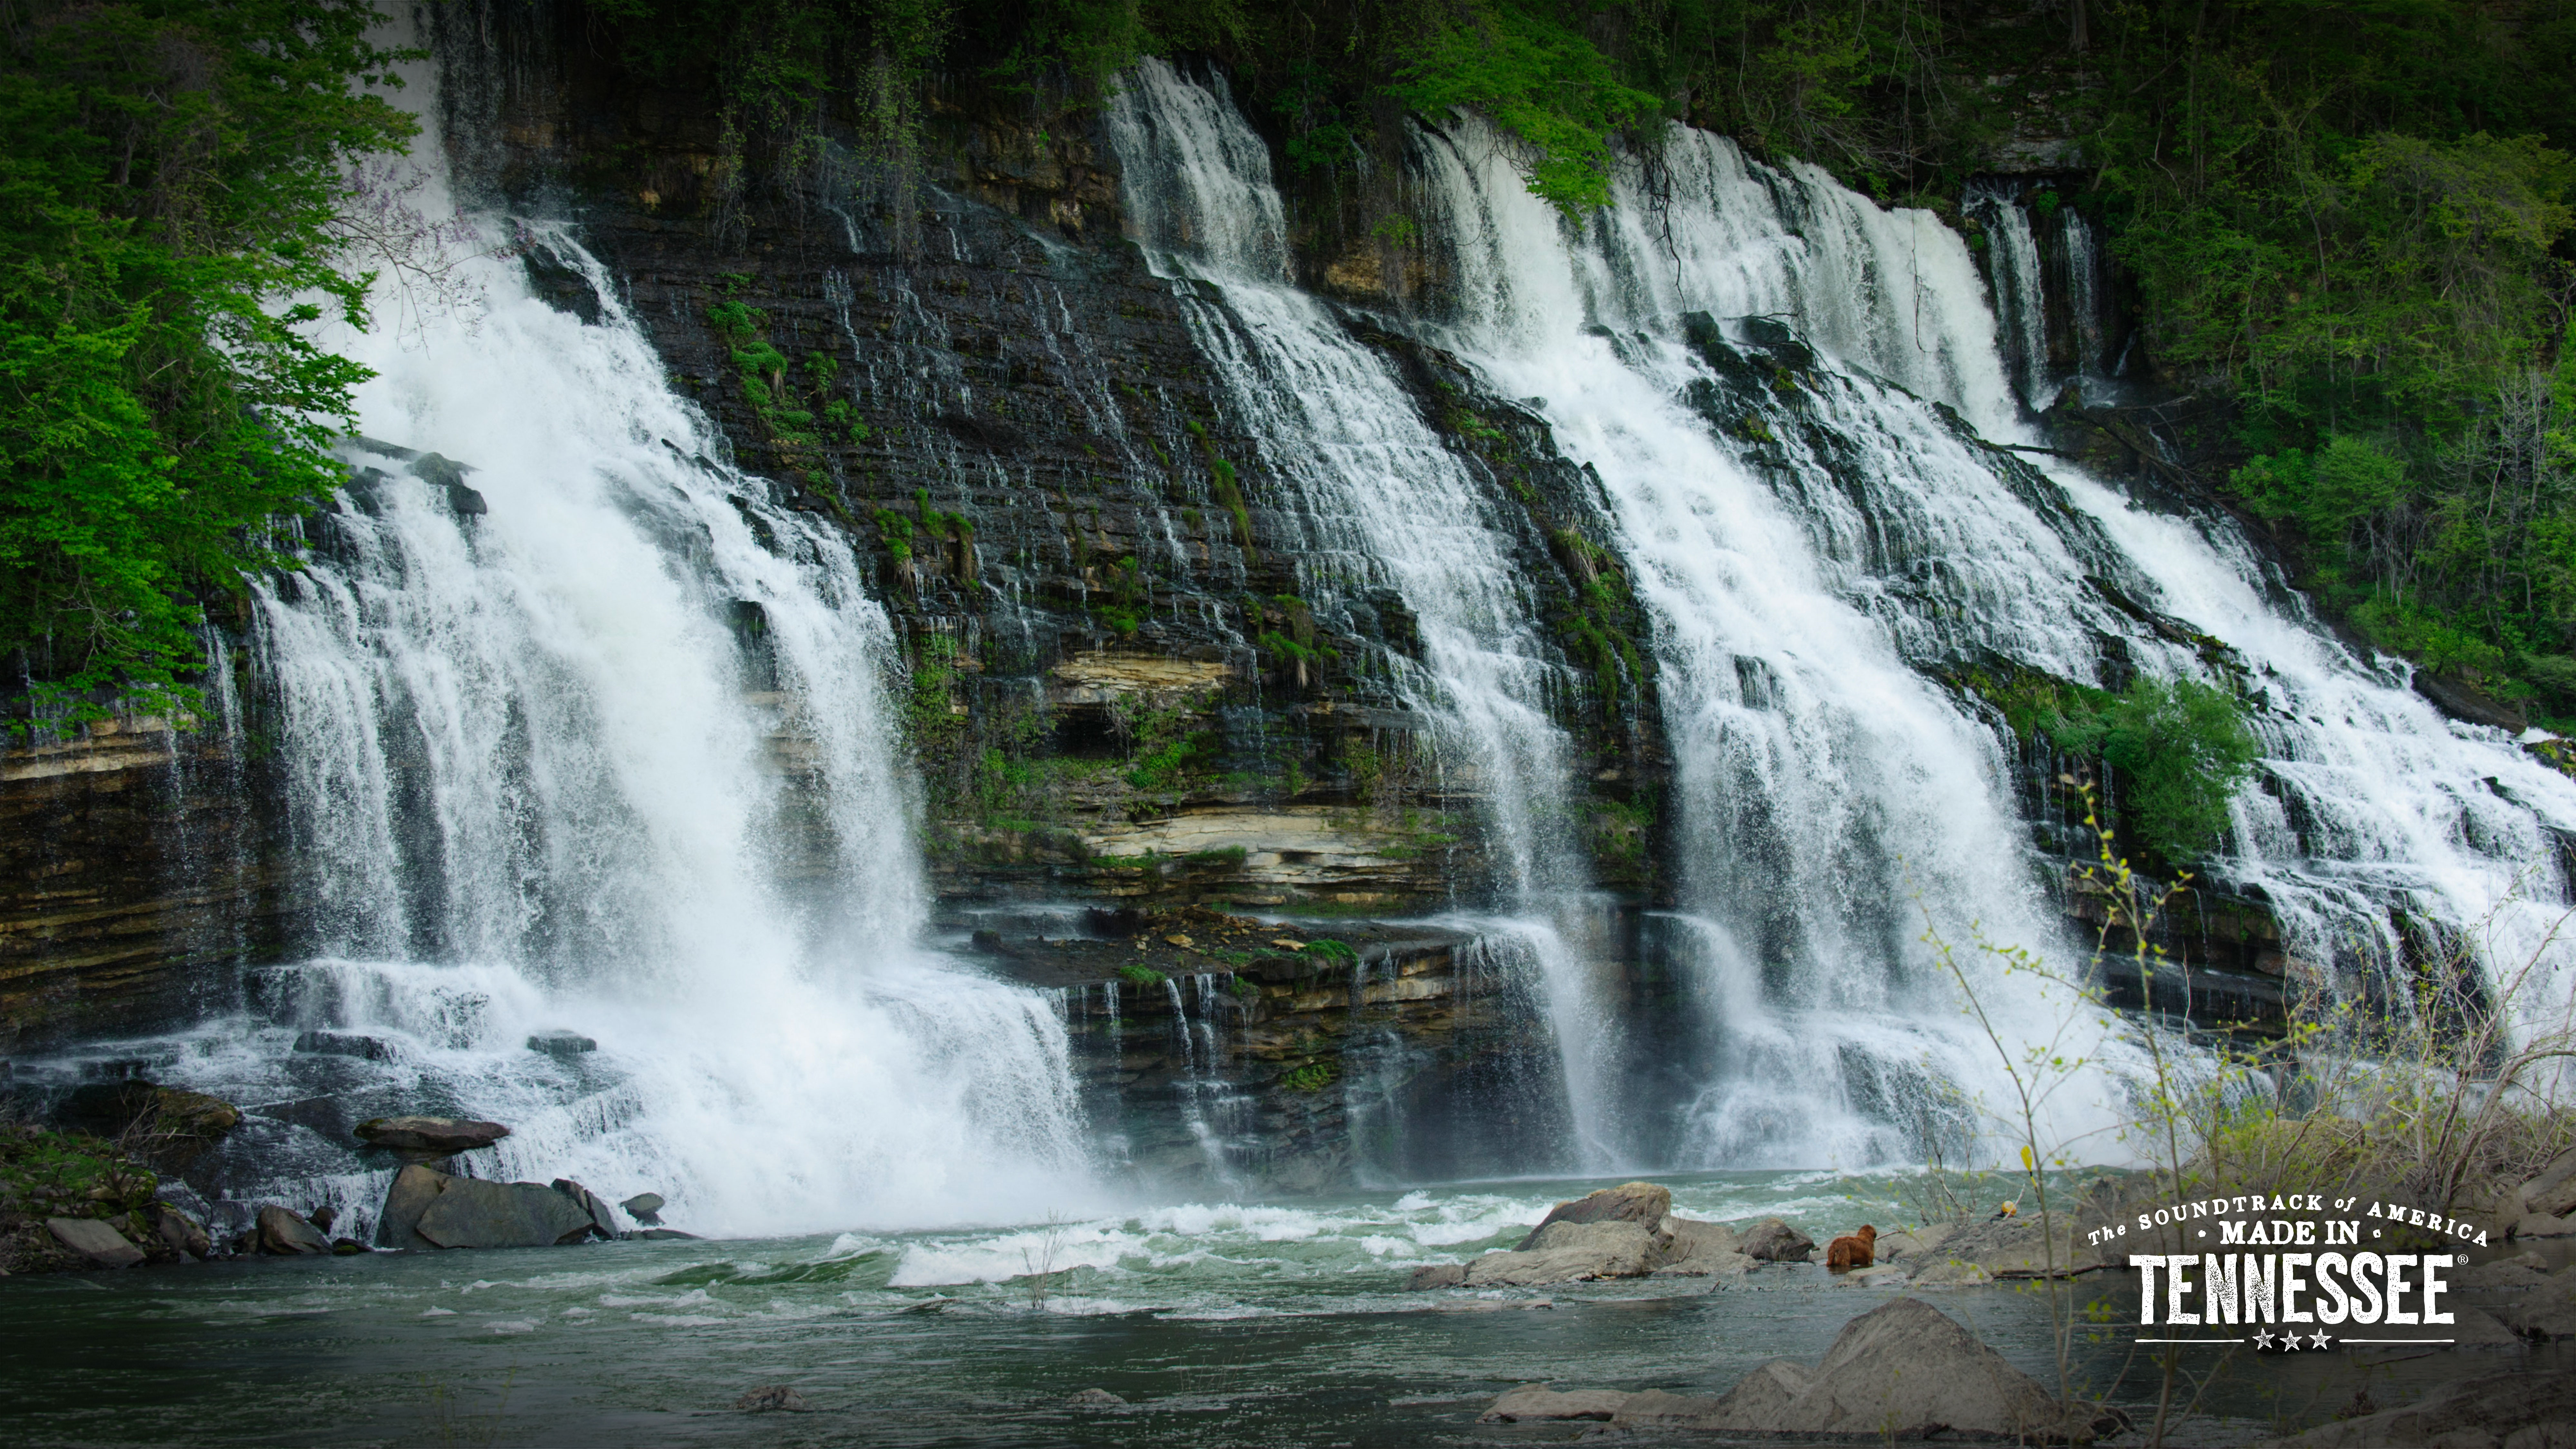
(437, 1134)
(345, 1044)
(561, 1044)
(1774, 1241)
(283, 1234)
(663, 1235)
(179, 1232)
(1094, 1399)
(413, 1190)
(773, 1399)
(323, 1217)
(645, 1208)
(100, 1245)
(347, 1247)
(602, 1221)
(1642, 1203)
(468, 1213)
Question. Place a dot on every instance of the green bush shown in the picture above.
(1314, 1076)
(1141, 976)
(2180, 748)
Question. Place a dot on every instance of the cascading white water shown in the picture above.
(615, 757)
(1913, 546)
(2021, 296)
(1379, 500)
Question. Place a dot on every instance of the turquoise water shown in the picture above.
(1283, 1323)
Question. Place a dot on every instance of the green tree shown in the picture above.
(169, 177)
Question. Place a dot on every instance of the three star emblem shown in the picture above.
(2289, 1341)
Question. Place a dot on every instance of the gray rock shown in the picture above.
(345, 1044)
(1094, 1399)
(286, 1235)
(1885, 1275)
(2503, 1273)
(472, 1214)
(180, 1232)
(99, 1244)
(1533, 1402)
(2517, 1410)
(431, 1134)
(1656, 1409)
(773, 1399)
(1774, 1241)
(1914, 1242)
(1903, 1370)
(645, 1208)
(2547, 1311)
(1951, 1273)
(1694, 1248)
(561, 1044)
(1641, 1203)
(602, 1221)
(323, 1217)
(2553, 1192)
(1436, 1275)
(2017, 1247)
(2540, 1225)
(1569, 1252)
(414, 1189)
(664, 1235)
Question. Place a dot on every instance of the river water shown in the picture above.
(1279, 1323)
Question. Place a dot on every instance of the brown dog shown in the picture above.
(1846, 1253)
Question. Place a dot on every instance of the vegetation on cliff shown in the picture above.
(175, 198)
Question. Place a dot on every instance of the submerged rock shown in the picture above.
(431, 1134)
(1773, 1241)
(100, 1245)
(1437, 1275)
(1903, 1370)
(1094, 1399)
(773, 1399)
(1531, 1402)
(663, 1235)
(345, 1044)
(561, 1044)
(284, 1234)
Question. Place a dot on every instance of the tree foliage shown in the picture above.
(169, 173)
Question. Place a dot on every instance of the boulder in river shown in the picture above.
(1536, 1402)
(469, 1213)
(602, 1221)
(100, 1245)
(1903, 1370)
(1774, 1241)
(1437, 1275)
(563, 1045)
(414, 1189)
(1567, 1252)
(1696, 1249)
(2547, 1311)
(431, 1134)
(1094, 1399)
(180, 1232)
(645, 1208)
(1642, 1203)
(2553, 1192)
(283, 1233)
(772, 1399)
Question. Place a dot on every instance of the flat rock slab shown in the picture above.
(99, 1244)
(471, 1214)
(1535, 1402)
(2527, 1410)
(431, 1134)
(1569, 1252)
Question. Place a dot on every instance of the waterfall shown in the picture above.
(2087, 294)
(1379, 501)
(582, 730)
(1805, 576)
(2020, 291)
